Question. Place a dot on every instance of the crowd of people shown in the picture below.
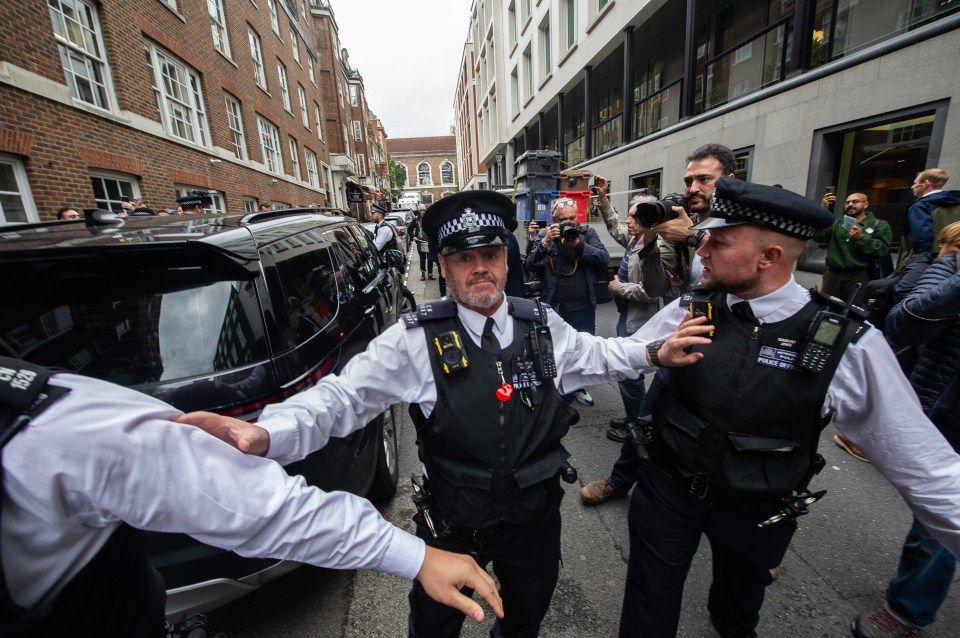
(707, 304)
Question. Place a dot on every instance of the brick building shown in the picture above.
(157, 98)
(429, 165)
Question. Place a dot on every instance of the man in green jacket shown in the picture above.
(852, 245)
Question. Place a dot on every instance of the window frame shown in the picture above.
(310, 163)
(357, 131)
(443, 181)
(94, 62)
(23, 191)
(318, 120)
(121, 178)
(171, 114)
(420, 180)
(256, 55)
(284, 86)
(294, 149)
(274, 18)
(295, 45)
(218, 204)
(235, 126)
(218, 27)
(272, 156)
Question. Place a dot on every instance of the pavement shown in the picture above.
(837, 566)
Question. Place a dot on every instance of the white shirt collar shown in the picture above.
(474, 321)
(768, 304)
(939, 190)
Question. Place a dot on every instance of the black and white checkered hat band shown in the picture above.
(470, 221)
(735, 211)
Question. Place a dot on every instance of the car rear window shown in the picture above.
(146, 325)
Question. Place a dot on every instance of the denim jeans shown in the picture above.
(632, 391)
(923, 577)
(582, 318)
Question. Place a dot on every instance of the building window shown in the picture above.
(274, 22)
(526, 8)
(79, 40)
(16, 202)
(446, 173)
(304, 116)
(424, 176)
(217, 205)
(312, 177)
(357, 131)
(568, 23)
(546, 49)
(270, 145)
(528, 74)
(251, 205)
(346, 140)
(515, 90)
(316, 117)
(354, 101)
(108, 189)
(313, 79)
(361, 165)
(282, 78)
(235, 124)
(294, 44)
(258, 75)
(327, 184)
(218, 23)
(295, 159)
(512, 25)
(176, 88)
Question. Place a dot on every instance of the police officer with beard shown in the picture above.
(754, 377)
(483, 373)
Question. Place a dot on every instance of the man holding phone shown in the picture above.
(853, 241)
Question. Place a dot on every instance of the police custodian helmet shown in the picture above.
(737, 202)
(469, 219)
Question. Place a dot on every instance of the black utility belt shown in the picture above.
(705, 490)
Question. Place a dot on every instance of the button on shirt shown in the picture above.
(874, 405)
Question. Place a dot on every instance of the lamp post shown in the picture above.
(499, 176)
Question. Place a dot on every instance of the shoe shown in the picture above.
(620, 423)
(842, 441)
(618, 435)
(583, 397)
(431, 277)
(881, 624)
(597, 492)
(774, 572)
(422, 276)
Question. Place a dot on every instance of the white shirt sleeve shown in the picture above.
(382, 237)
(74, 473)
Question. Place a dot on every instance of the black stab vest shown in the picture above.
(742, 417)
(488, 461)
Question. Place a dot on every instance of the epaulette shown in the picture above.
(527, 309)
(839, 305)
(430, 311)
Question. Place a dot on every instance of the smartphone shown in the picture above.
(831, 190)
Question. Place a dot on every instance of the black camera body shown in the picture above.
(568, 231)
(649, 214)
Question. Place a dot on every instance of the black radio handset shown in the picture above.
(822, 334)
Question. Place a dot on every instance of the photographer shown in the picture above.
(572, 259)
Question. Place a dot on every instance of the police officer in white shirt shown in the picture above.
(97, 462)
(735, 430)
(382, 234)
(483, 374)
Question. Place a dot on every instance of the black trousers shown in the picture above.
(840, 283)
(666, 523)
(526, 560)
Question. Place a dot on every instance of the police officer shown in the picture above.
(735, 430)
(483, 374)
(193, 204)
(383, 237)
(87, 464)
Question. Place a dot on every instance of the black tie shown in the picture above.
(743, 310)
(487, 340)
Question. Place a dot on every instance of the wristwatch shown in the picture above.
(694, 240)
(652, 349)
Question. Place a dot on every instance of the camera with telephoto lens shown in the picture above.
(649, 214)
(568, 231)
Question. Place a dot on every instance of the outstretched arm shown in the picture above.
(246, 437)
(444, 574)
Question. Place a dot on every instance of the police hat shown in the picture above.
(188, 201)
(737, 202)
(469, 219)
(378, 209)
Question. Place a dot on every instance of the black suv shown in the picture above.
(210, 312)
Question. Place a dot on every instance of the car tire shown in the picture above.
(409, 302)
(388, 462)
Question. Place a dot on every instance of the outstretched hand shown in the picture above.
(691, 332)
(443, 574)
(246, 437)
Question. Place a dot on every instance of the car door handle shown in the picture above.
(369, 311)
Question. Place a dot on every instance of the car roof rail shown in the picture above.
(260, 216)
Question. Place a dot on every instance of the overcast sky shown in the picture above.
(408, 52)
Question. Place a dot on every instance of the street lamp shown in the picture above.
(499, 159)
